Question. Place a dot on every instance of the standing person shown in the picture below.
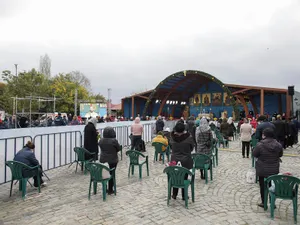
(280, 131)
(136, 131)
(110, 147)
(224, 128)
(204, 140)
(182, 145)
(27, 156)
(263, 124)
(91, 139)
(231, 129)
(246, 132)
(159, 125)
(268, 152)
(75, 121)
(292, 133)
(191, 124)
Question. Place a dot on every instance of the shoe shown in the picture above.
(248, 156)
(261, 205)
(44, 184)
(109, 192)
(174, 197)
(243, 156)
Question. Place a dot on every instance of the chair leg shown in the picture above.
(39, 182)
(272, 206)
(95, 187)
(140, 171)
(11, 186)
(115, 186)
(20, 185)
(211, 172)
(104, 190)
(295, 209)
(163, 158)
(205, 172)
(169, 193)
(89, 197)
(132, 169)
(193, 188)
(186, 197)
(24, 183)
(147, 166)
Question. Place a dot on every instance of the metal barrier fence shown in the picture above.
(56, 149)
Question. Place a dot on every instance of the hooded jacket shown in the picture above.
(137, 127)
(268, 152)
(109, 146)
(91, 139)
(182, 147)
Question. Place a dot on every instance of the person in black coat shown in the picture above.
(159, 125)
(27, 156)
(281, 131)
(109, 152)
(91, 139)
(268, 152)
(263, 124)
(292, 133)
(182, 146)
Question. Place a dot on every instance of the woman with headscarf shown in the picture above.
(204, 140)
(109, 152)
(136, 131)
(91, 139)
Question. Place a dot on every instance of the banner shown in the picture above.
(93, 110)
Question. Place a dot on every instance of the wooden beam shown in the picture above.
(242, 100)
(132, 106)
(254, 93)
(240, 91)
(254, 106)
(277, 90)
(262, 102)
(141, 96)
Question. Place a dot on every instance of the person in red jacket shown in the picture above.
(253, 123)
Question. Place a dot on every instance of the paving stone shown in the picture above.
(228, 199)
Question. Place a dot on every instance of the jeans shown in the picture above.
(245, 144)
(111, 181)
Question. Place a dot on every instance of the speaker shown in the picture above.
(291, 90)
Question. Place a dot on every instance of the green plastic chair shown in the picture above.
(158, 150)
(215, 153)
(134, 157)
(222, 140)
(96, 177)
(16, 169)
(203, 162)
(121, 151)
(80, 158)
(176, 178)
(286, 187)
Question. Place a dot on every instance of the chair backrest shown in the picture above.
(134, 156)
(254, 141)
(200, 160)
(96, 171)
(285, 186)
(16, 169)
(177, 174)
(80, 152)
(158, 147)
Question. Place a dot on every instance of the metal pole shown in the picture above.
(54, 104)
(30, 112)
(109, 102)
(75, 103)
(16, 118)
(16, 65)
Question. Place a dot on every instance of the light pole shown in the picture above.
(16, 66)
(109, 102)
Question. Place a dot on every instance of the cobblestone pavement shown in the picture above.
(228, 199)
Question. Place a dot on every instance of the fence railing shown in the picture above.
(56, 149)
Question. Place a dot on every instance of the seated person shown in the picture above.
(160, 138)
(27, 156)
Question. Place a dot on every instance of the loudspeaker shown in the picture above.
(291, 90)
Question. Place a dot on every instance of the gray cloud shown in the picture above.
(265, 56)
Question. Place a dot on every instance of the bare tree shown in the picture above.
(80, 79)
(45, 65)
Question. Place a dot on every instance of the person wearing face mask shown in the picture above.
(27, 156)
(268, 152)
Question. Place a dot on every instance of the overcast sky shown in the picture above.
(130, 46)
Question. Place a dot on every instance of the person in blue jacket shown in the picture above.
(27, 156)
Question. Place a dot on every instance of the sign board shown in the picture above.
(93, 110)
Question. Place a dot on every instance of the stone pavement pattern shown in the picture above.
(228, 199)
